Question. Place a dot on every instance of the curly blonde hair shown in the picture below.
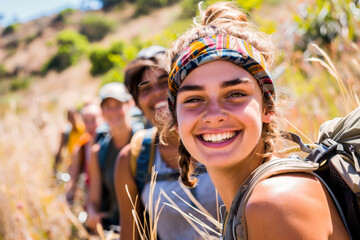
(223, 18)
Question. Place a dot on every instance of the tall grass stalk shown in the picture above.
(193, 220)
(348, 96)
(148, 230)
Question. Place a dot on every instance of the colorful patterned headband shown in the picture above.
(220, 47)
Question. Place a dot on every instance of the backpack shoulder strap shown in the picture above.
(142, 156)
(236, 222)
(104, 145)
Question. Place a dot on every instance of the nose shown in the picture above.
(158, 90)
(214, 113)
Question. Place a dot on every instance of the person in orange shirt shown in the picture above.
(69, 136)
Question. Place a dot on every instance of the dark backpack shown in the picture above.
(104, 138)
(334, 161)
(143, 147)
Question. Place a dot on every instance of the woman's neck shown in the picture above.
(229, 180)
(121, 136)
(169, 153)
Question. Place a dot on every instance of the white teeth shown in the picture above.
(160, 105)
(219, 137)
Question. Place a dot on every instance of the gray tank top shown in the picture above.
(171, 224)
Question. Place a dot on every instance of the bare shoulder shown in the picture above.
(123, 158)
(293, 204)
(95, 148)
(286, 193)
(287, 188)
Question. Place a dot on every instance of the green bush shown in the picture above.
(190, 7)
(322, 21)
(96, 27)
(102, 60)
(72, 46)
(19, 83)
(108, 4)
(114, 75)
(10, 29)
(61, 16)
(3, 70)
(30, 38)
(146, 6)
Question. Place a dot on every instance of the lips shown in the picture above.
(219, 139)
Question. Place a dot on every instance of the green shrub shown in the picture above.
(190, 7)
(3, 70)
(10, 29)
(114, 75)
(61, 16)
(146, 6)
(108, 4)
(19, 83)
(96, 27)
(72, 46)
(30, 38)
(102, 60)
(322, 21)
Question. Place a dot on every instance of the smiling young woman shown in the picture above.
(146, 80)
(222, 102)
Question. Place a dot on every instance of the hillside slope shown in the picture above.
(54, 93)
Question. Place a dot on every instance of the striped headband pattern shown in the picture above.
(220, 47)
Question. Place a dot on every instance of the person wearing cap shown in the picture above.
(102, 207)
(146, 80)
(223, 105)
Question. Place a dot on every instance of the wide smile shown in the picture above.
(160, 105)
(218, 139)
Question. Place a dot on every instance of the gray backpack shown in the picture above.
(335, 161)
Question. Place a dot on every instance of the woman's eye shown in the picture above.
(236, 95)
(192, 100)
(144, 83)
(145, 89)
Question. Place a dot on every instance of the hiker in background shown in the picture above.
(222, 103)
(94, 132)
(69, 136)
(102, 206)
(146, 80)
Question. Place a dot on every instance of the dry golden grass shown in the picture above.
(148, 230)
(32, 206)
(35, 205)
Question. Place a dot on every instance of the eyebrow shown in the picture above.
(233, 82)
(190, 88)
(225, 84)
(165, 75)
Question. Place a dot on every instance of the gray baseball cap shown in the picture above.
(114, 90)
(150, 52)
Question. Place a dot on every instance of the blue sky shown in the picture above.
(25, 10)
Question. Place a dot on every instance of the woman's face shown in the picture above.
(114, 112)
(152, 92)
(220, 113)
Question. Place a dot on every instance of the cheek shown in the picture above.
(184, 124)
(142, 99)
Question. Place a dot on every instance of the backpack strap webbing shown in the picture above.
(236, 221)
(142, 156)
(104, 146)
